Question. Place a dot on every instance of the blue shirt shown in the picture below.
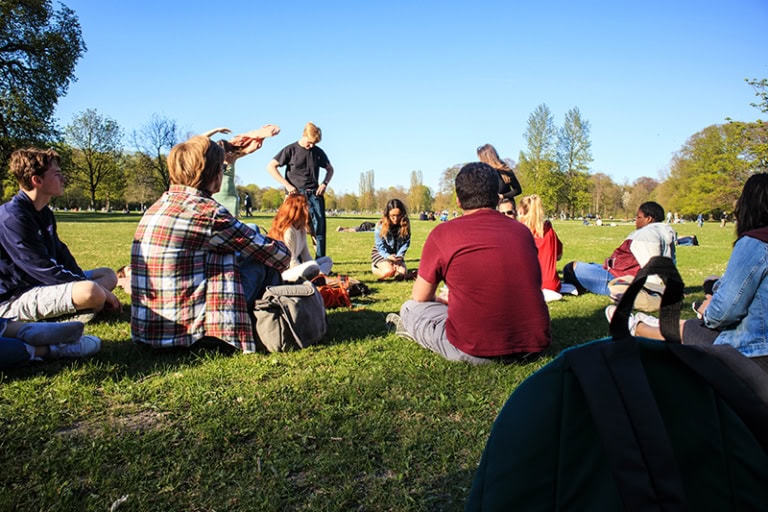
(739, 306)
(391, 244)
(31, 253)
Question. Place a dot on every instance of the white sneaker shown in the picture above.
(86, 346)
(395, 324)
(632, 321)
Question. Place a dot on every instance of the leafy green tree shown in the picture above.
(96, 141)
(574, 155)
(709, 171)
(605, 195)
(39, 48)
(367, 191)
(141, 186)
(272, 198)
(539, 172)
(419, 195)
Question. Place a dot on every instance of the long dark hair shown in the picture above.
(405, 223)
(752, 206)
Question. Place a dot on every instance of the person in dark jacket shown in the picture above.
(509, 186)
(39, 277)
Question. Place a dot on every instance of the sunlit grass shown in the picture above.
(363, 421)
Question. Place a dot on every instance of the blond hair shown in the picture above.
(530, 212)
(196, 162)
(312, 133)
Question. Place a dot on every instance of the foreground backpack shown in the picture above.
(632, 424)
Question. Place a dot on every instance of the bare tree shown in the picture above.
(154, 140)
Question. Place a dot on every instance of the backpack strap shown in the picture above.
(630, 425)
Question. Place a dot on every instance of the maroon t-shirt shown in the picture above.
(489, 263)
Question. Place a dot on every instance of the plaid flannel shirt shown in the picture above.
(185, 279)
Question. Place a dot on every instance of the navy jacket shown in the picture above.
(31, 253)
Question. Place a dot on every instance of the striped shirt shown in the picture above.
(184, 275)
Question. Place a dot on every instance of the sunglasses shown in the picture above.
(511, 213)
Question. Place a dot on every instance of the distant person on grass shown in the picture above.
(481, 256)
(734, 311)
(362, 227)
(39, 277)
(303, 160)
(22, 342)
(652, 237)
(391, 240)
(195, 269)
(290, 227)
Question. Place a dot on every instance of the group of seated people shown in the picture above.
(196, 270)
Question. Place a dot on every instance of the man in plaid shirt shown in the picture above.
(196, 269)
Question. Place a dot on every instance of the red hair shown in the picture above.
(293, 212)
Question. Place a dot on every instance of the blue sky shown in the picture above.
(403, 86)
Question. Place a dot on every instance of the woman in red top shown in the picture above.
(531, 213)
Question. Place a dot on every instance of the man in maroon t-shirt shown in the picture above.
(494, 309)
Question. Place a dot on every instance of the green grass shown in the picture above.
(363, 421)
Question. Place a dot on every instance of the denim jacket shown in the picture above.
(390, 244)
(739, 306)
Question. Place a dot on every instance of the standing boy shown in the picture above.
(303, 161)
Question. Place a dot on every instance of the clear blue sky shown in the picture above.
(401, 86)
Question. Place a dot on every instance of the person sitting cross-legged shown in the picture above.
(39, 277)
(195, 269)
(473, 255)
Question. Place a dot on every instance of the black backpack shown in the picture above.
(632, 424)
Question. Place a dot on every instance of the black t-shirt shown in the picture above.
(302, 165)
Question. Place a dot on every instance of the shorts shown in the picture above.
(696, 333)
(40, 303)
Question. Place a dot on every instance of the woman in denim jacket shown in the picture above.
(735, 314)
(392, 237)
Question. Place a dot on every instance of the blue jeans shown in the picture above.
(593, 277)
(13, 351)
(317, 217)
(255, 277)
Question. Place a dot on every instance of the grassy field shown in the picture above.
(363, 421)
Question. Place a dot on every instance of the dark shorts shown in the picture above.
(696, 333)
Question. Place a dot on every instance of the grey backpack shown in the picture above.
(289, 317)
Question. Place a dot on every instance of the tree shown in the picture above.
(39, 47)
(97, 151)
(574, 156)
(539, 172)
(154, 140)
(367, 191)
(711, 169)
(761, 91)
(141, 186)
(419, 195)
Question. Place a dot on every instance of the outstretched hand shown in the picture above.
(215, 131)
(249, 142)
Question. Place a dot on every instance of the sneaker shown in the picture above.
(647, 320)
(86, 346)
(695, 306)
(395, 324)
(632, 321)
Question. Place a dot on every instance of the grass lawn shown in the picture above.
(363, 421)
